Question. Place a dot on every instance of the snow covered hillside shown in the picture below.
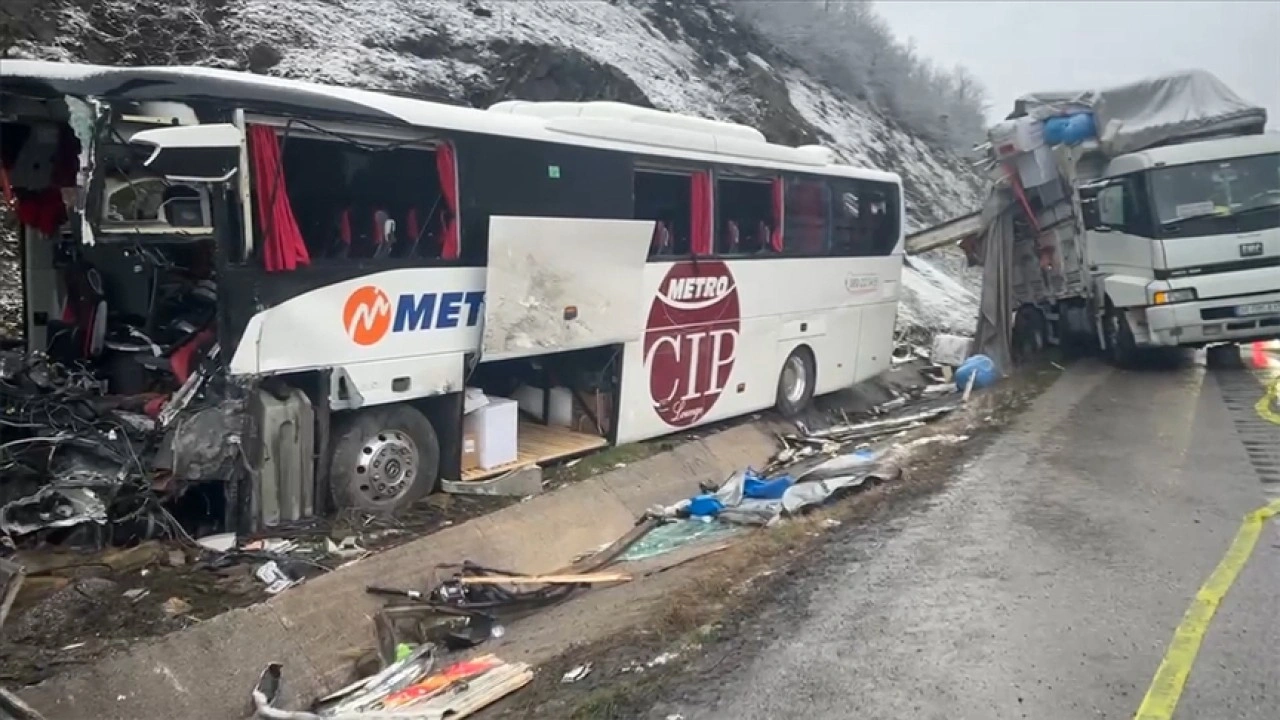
(689, 56)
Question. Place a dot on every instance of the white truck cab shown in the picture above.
(1183, 243)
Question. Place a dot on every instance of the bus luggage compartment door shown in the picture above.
(558, 284)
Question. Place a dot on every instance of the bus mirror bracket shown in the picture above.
(343, 393)
(192, 153)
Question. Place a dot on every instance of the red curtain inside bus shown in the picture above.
(447, 167)
(700, 214)
(282, 244)
(775, 237)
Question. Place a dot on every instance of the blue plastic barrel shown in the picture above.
(979, 366)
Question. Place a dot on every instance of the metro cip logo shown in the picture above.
(691, 340)
(369, 315)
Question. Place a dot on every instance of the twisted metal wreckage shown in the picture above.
(107, 415)
(97, 467)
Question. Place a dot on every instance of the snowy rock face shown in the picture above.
(687, 56)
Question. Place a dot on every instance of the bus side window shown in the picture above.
(665, 197)
(356, 202)
(744, 216)
(807, 225)
(866, 218)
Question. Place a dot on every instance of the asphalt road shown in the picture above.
(1046, 581)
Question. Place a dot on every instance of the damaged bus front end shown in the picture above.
(118, 421)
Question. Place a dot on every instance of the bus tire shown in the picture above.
(384, 459)
(1118, 343)
(795, 382)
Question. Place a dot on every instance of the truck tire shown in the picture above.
(1030, 334)
(795, 382)
(1118, 344)
(384, 459)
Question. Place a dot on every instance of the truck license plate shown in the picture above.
(1258, 309)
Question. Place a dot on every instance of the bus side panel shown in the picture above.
(838, 363)
(373, 320)
(684, 373)
(875, 345)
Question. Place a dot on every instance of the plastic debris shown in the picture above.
(175, 606)
(576, 674)
(274, 578)
(222, 542)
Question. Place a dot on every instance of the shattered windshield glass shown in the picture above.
(1218, 189)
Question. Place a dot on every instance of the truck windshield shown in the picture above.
(1221, 196)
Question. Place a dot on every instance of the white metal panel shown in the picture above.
(562, 284)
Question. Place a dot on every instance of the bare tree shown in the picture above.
(848, 44)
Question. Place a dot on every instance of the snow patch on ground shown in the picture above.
(934, 299)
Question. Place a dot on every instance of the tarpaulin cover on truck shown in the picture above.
(1150, 112)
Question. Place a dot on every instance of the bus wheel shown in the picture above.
(795, 382)
(384, 459)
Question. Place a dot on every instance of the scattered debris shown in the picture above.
(175, 606)
(276, 580)
(576, 674)
(136, 594)
(950, 349)
(347, 549)
(406, 689)
(587, 579)
(674, 535)
(222, 542)
(12, 576)
(663, 659)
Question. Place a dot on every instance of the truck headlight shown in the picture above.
(1164, 297)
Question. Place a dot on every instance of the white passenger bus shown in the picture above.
(360, 259)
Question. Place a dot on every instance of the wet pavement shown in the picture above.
(1046, 581)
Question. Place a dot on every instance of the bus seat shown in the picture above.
(733, 238)
(661, 242)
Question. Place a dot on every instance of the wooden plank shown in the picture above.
(947, 233)
(537, 444)
(588, 578)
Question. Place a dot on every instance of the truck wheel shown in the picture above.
(795, 382)
(1223, 356)
(1029, 334)
(384, 459)
(1120, 347)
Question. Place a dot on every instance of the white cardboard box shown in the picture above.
(951, 350)
(495, 427)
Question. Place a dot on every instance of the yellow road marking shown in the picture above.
(1166, 688)
(1270, 400)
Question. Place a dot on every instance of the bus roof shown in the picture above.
(681, 138)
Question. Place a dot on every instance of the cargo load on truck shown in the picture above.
(1032, 239)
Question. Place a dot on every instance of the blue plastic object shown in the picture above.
(705, 506)
(981, 368)
(1069, 129)
(1055, 130)
(758, 488)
